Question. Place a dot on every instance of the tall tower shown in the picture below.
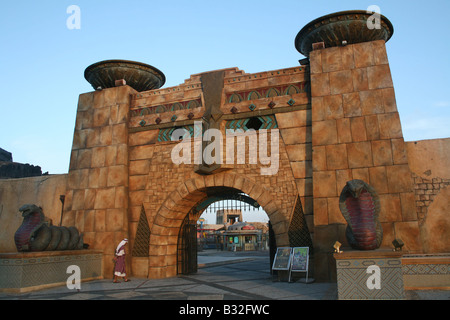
(97, 193)
(356, 131)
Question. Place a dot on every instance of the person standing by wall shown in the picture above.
(119, 259)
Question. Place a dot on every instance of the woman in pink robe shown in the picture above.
(119, 267)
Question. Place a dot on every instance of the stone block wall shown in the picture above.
(430, 164)
(337, 121)
(356, 134)
(122, 181)
(97, 196)
(43, 191)
(426, 190)
(169, 191)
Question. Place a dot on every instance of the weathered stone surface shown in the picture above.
(361, 174)
(298, 118)
(363, 54)
(391, 210)
(342, 176)
(399, 178)
(333, 106)
(344, 130)
(360, 80)
(372, 127)
(352, 104)
(382, 153)
(324, 132)
(427, 158)
(408, 203)
(105, 198)
(320, 84)
(319, 157)
(358, 129)
(341, 82)
(334, 214)
(296, 135)
(359, 154)
(410, 235)
(379, 76)
(336, 157)
(301, 169)
(371, 102)
(378, 179)
(435, 229)
(320, 211)
(299, 152)
(324, 184)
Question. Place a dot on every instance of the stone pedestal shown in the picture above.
(24, 272)
(426, 271)
(374, 275)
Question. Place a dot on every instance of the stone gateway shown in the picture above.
(337, 120)
(331, 120)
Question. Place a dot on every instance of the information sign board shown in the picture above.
(282, 260)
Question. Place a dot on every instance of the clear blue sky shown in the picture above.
(43, 61)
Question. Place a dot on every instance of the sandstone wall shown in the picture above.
(43, 191)
(122, 181)
(168, 191)
(429, 160)
(356, 134)
(97, 183)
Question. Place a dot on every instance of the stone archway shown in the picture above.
(178, 204)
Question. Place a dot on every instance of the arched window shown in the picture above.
(291, 90)
(272, 92)
(254, 95)
(177, 106)
(235, 97)
(145, 111)
(160, 109)
(193, 104)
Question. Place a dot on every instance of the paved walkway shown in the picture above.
(221, 276)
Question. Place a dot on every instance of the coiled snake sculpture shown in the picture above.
(360, 206)
(37, 234)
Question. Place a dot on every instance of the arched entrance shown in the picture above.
(187, 238)
(177, 216)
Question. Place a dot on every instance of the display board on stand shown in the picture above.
(282, 259)
(300, 261)
(293, 260)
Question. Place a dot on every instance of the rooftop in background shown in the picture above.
(14, 170)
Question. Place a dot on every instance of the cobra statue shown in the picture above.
(360, 206)
(37, 234)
